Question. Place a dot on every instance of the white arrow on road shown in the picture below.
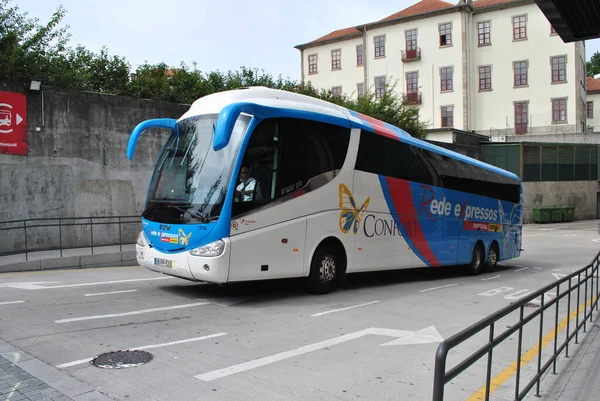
(31, 285)
(404, 337)
(19, 119)
(36, 285)
(558, 275)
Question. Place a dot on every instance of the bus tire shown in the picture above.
(326, 267)
(493, 255)
(477, 259)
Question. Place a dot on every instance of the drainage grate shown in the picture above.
(122, 359)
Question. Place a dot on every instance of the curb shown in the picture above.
(125, 258)
(51, 376)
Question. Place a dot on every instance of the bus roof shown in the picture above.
(215, 102)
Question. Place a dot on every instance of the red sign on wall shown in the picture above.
(13, 123)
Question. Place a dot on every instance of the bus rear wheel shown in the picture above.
(477, 259)
(493, 255)
(325, 269)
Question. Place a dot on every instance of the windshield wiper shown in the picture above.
(200, 217)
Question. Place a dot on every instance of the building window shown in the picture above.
(312, 64)
(590, 109)
(445, 34)
(360, 89)
(483, 32)
(520, 27)
(559, 69)
(336, 91)
(447, 116)
(379, 46)
(559, 110)
(411, 40)
(446, 78)
(359, 55)
(412, 82)
(379, 87)
(336, 59)
(521, 117)
(520, 68)
(485, 77)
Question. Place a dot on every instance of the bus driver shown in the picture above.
(246, 190)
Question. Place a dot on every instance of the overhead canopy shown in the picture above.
(573, 20)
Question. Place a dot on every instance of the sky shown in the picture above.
(217, 36)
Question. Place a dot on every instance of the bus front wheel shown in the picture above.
(326, 267)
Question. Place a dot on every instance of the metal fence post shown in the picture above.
(92, 235)
(120, 237)
(60, 237)
(25, 228)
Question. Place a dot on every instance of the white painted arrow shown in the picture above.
(32, 285)
(423, 336)
(558, 275)
(19, 119)
(404, 337)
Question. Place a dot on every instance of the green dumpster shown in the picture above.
(568, 213)
(542, 214)
(557, 214)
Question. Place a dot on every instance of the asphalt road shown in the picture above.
(374, 340)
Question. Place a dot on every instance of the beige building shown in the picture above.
(494, 67)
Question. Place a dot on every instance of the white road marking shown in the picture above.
(79, 362)
(108, 293)
(558, 275)
(37, 285)
(346, 308)
(437, 288)
(520, 270)
(424, 336)
(537, 268)
(137, 312)
(491, 278)
(11, 302)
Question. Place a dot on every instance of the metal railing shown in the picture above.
(583, 282)
(51, 234)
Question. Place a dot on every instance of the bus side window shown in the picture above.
(284, 154)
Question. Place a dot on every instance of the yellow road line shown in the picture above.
(507, 373)
(80, 269)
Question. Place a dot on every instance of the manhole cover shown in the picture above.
(122, 359)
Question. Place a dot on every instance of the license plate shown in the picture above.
(163, 262)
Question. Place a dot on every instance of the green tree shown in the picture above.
(593, 66)
(26, 47)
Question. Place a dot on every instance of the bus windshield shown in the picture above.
(190, 179)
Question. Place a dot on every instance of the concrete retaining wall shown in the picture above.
(580, 194)
(77, 164)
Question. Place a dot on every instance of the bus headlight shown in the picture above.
(212, 249)
(141, 239)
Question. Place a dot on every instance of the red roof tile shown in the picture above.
(593, 84)
(340, 33)
(488, 3)
(424, 6)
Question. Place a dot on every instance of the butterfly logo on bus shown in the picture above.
(184, 239)
(351, 215)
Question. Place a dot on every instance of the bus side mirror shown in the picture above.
(141, 127)
(226, 121)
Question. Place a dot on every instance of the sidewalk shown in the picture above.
(25, 378)
(103, 256)
(577, 377)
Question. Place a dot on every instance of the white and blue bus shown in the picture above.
(258, 183)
